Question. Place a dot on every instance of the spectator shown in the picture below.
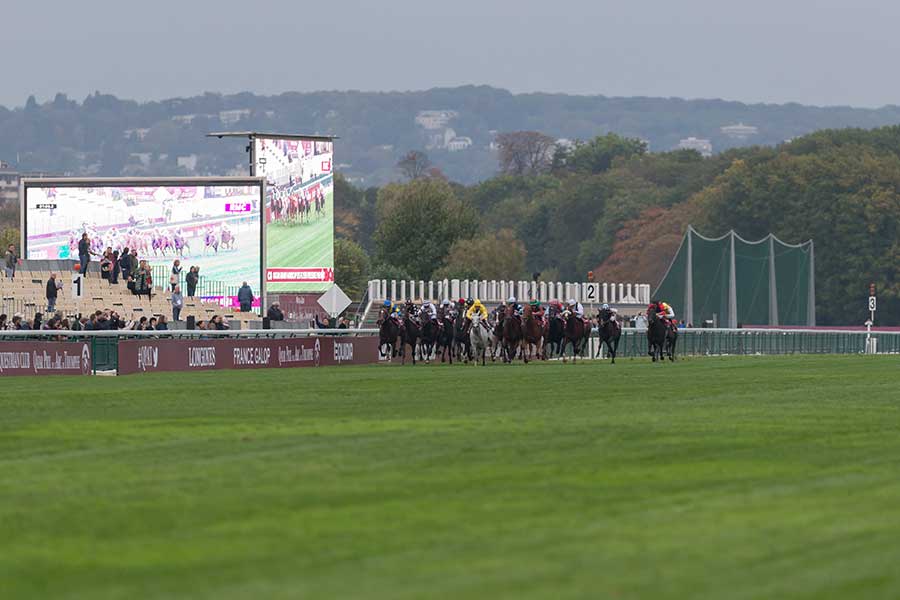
(141, 325)
(64, 324)
(52, 292)
(177, 302)
(201, 325)
(10, 261)
(162, 324)
(3, 324)
(91, 323)
(18, 324)
(115, 321)
(36, 325)
(151, 324)
(115, 267)
(125, 264)
(103, 323)
(245, 297)
(175, 277)
(219, 323)
(274, 313)
(330, 324)
(144, 280)
(192, 278)
(106, 263)
(345, 323)
(84, 252)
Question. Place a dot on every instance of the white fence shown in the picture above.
(499, 291)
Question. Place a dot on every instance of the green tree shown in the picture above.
(598, 155)
(496, 255)
(418, 222)
(351, 267)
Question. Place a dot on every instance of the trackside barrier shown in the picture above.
(721, 342)
(86, 352)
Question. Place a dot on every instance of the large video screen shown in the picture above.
(213, 225)
(299, 212)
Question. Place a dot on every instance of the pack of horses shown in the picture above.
(508, 336)
(297, 207)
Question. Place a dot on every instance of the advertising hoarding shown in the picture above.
(45, 358)
(149, 355)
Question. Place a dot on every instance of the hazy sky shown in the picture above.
(822, 52)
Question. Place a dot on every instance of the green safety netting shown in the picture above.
(731, 281)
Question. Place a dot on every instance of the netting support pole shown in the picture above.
(732, 286)
(689, 280)
(811, 295)
(773, 291)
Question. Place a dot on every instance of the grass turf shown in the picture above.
(711, 478)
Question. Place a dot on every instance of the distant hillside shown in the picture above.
(107, 136)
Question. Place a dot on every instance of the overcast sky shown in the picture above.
(822, 52)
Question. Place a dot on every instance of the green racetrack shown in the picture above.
(302, 245)
(754, 477)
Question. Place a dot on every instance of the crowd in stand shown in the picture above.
(101, 320)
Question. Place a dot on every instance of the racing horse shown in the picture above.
(445, 335)
(534, 334)
(388, 334)
(554, 333)
(410, 336)
(479, 339)
(461, 336)
(575, 332)
(661, 338)
(610, 331)
(513, 336)
(429, 336)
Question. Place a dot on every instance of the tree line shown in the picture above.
(609, 206)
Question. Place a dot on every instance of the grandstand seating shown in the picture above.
(26, 294)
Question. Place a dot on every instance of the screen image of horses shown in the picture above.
(215, 227)
(299, 212)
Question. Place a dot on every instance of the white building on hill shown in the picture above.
(704, 147)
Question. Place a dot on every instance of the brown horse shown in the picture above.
(575, 332)
(534, 335)
(513, 336)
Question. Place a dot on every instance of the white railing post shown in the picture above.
(454, 289)
(628, 293)
(431, 290)
(394, 290)
(622, 292)
(543, 292)
(605, 293)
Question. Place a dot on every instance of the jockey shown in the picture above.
(537, 311)
(664, 311)
(606, 314)
(429, 309)
(446, 308)
(517, 308)
(477, 308)
(461, 306)
(576, 308)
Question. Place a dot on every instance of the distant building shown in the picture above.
(704, 147)
(9, 184)
(566, 143)
(184, 119)
(435, 119)
(230, 117)
(138, 132)
(739, 131)
(459, 143)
